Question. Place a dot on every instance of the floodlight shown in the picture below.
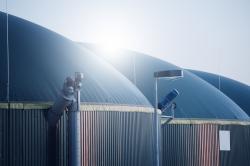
(169, 74)
(168, 100)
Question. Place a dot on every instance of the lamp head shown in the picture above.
(168, 100)
(169, 74)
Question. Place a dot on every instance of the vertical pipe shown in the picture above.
(8, 54)
(156, 127)
(52, 146)
(8, 76)
(74, 134)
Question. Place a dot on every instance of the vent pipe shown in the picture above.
(64, 100)
(69, 99)
(74, 125)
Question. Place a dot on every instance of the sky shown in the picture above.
(211, 35)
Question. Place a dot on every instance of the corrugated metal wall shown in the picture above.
(23, 138)
(240, 146)
(190, 145)
(108, 138)
(198, 145)
(117, 138)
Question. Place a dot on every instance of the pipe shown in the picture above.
(74, 136)
(156, 127)
(75, 125)
(65, 99)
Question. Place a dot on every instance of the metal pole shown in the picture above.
(156, 126)
(8, 56)
(74, 132)
(78, 100)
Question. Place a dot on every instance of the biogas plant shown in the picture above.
(69, 104)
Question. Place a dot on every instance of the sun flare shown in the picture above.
(112, 36)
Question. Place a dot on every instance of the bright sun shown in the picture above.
(112, 39)
(112, 36)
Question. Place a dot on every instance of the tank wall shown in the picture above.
(23, 138)
(240, 146)
(190, 145)
(117, 138)
(198, 144)
(108, 138)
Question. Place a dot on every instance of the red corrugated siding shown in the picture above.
(192, 145)
(117, 138)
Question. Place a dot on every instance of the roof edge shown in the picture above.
(191, 121)
(83, 107)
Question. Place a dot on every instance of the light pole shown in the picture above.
(171, 74)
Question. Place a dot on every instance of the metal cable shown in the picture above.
(219, 71)
(134, 72)
(8, 53)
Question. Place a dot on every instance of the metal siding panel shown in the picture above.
(199, 145)
(117, 138)
(191, 145)
(23, 138)
(240, 146)
(108, 138)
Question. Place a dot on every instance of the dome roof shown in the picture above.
(40, 60)
(197, 99)
(237, 91)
